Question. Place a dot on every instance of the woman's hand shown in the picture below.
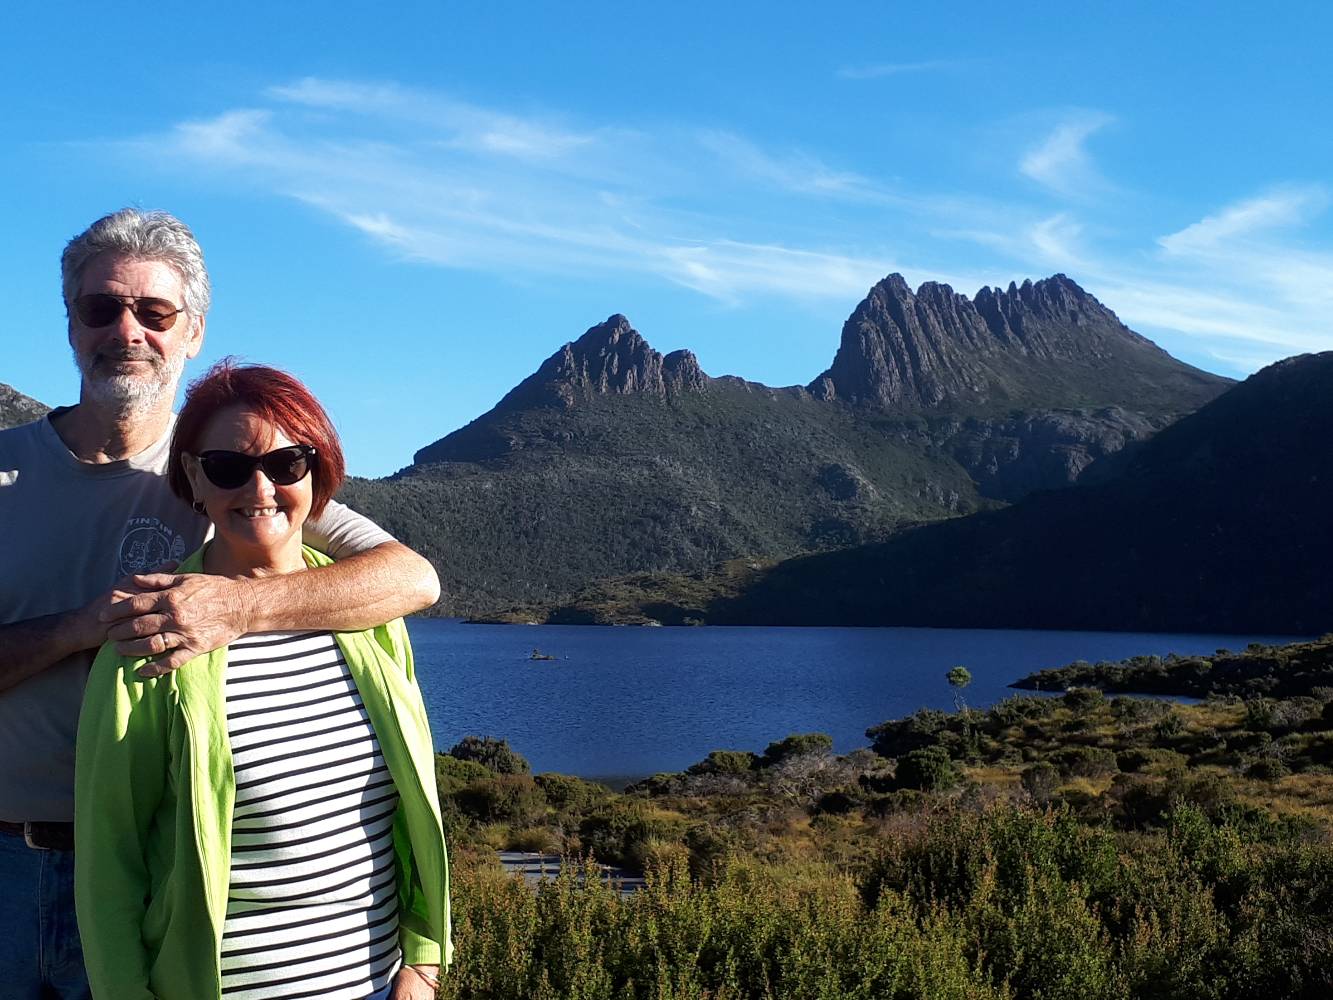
(413, 982)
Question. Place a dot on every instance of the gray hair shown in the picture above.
(140, 236)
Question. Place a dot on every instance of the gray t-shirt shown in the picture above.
(69, 530)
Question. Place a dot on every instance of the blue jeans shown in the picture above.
(382, 994)
(40, 956)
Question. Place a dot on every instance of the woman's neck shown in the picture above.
(223, 559)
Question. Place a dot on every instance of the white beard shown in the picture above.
(133, 393)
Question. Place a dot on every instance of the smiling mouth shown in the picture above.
(253, 513)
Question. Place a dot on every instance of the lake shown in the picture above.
(628, 702)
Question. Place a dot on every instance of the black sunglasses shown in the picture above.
(229, 470)
(98, 309)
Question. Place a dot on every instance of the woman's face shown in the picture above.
(258, 517)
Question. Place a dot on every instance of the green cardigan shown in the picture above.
(154, 792)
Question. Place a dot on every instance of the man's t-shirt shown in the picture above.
(69, 530)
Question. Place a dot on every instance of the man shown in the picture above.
(85, 518)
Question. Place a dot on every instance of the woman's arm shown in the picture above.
(120, 775)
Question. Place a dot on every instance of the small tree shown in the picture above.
(959, 678)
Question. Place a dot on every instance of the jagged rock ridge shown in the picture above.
(1047, 343)
(610, 358)
(16, 408)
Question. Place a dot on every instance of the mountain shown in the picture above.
(613, 458)
(16, 408)
(1219, 523)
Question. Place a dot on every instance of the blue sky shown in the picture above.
(411, 205)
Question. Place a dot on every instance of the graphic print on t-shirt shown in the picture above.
(147, 544)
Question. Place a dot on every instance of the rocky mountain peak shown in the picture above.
(610, 358)
(1046, 342)
(16, 408)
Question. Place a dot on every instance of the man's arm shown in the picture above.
(186, 616)
(32, 645)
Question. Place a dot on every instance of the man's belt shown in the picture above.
(43, 836)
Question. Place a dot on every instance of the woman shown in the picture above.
(262, 822)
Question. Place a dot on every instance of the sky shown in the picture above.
(411, 205)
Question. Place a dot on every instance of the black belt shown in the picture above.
(43, 836)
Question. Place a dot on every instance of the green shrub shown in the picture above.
(838, 801)
(1138, 711)
(492, 754)
(570, 794)
(503, 798)
(900, 736)
(1017, 709)
(1169, 726)
(1268, 769)
(1040, 780)
(625, 832)
(1083, 699)
(796, 745)
(728, 762)
(929, 769)
(451, 774)
(1085, 762)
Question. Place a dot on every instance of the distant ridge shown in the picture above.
(1047, 343)
(614, 458)
(1219, 523)
(16, 408)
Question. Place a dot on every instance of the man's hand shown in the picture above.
(179, 616)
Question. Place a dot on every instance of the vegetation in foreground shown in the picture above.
(1080, 847)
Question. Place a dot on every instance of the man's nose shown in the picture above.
(126, 329)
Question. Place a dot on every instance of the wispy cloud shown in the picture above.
(877, 71)
(501, 208)
(800, 173)
(1061, 162)
(1274, 210)
(457, 185)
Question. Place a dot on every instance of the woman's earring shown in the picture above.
(198, 506)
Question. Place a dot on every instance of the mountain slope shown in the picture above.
(613, 458)
(16, 408)
(1220, 523)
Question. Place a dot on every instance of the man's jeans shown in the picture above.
(40, 957)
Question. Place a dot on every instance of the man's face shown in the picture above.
(123, 363)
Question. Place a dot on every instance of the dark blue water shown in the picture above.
(633, 701)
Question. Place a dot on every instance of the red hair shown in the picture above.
(276, 397)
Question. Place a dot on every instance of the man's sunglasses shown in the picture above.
(229, 470)
(98, 309)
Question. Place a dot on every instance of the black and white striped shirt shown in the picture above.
(312, 910)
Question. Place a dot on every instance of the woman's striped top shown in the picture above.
(312, 910)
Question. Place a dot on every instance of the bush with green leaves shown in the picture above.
(1083, 699)
(795, 745)
(503, 798)
(1040, 780)
(1150, 759)
(451, 774)
(922, 728)
(570, 794)
(929, 769)
(625, 832)
(729, 762)
(1018, 709)
(1085, 762)
(492, 754)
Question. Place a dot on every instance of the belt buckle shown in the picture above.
(27, 838)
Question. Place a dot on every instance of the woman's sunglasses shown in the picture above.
(229, 470)
(99, 309)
